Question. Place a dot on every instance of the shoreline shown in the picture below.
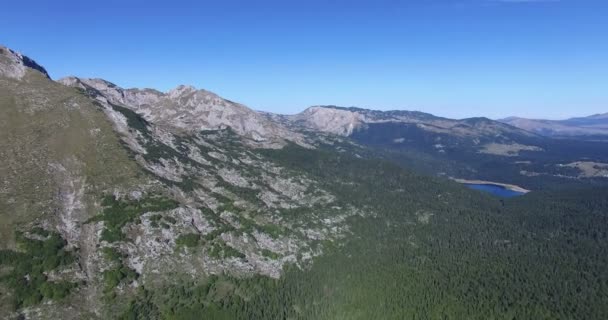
(507, 186)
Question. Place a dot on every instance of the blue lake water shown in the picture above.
(495, 190)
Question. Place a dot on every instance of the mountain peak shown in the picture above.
(186, 109)
(15, 65)
(181, 90)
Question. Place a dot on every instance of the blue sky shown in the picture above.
(455, 58)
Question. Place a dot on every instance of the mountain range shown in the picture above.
(591, 126)
(141, 204)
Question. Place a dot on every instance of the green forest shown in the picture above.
(433, 250)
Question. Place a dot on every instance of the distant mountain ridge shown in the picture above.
(346, 121)
(594, 125)
(473, 147)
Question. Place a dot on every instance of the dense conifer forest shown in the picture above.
(432, 249)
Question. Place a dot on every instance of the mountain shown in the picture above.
(420, 140)
(54, 144)
(185, 109)
(592, 126)
(136, 204)
(125, 183)
(474, 148)
(346, 121)
(58, 154)
(446, 133)
(597, 120)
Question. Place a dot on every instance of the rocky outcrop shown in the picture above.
(331, 120)
(188, 110)
(15, 65)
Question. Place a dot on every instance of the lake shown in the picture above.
(496, 190)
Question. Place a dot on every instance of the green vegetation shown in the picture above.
(270, 254)
(117, 273)
(113, 277)
(111, 254)
(27, 277)
(273, 230)
(134, 120)
(188, 240)
(221, 250)
(117, 213)
(155, 221)
(541, 256)
(248, 194)
(222, 228)
(51, 132)
(228, 205)
(203, 300)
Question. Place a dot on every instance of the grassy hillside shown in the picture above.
(53, 143)
(58, 154)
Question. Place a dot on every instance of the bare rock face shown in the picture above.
(188, 110)
(331, 120)
(15, 65)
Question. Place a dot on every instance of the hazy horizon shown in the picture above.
(457, 59)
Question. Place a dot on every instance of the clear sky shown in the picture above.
(454, 58)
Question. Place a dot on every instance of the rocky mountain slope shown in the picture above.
(185, 109)
(136, 187)
(595, 125)
(59, 154)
